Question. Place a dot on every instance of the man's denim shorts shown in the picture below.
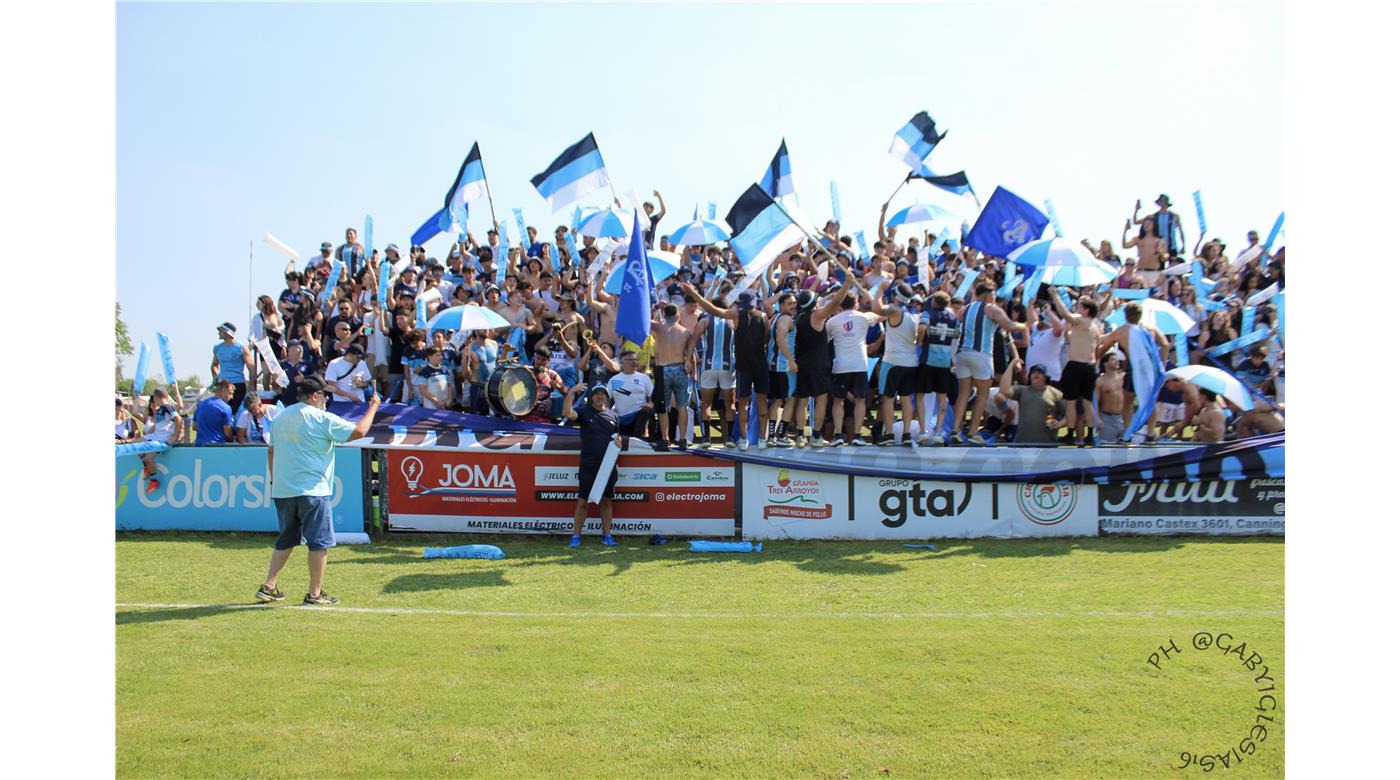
(304, 520)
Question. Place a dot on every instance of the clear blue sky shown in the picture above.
(235, 120)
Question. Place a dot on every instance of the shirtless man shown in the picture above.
(606, 312)
(675, 360)
(1110, 387)
(1077, 378)
(1210, 421)
(1152, 250)
(1259, 421)
(518, 316)
(1132, 315)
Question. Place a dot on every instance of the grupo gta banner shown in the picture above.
(1218, 508)
(783, 503)
(224, 488)
(479, 491)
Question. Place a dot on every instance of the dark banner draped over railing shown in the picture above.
(1260, 457)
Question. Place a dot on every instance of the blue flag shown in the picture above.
(573, 174)
(469, 185)
(429, 228)
(777, 178)
(1054, 218)
(634, 304)
(1200, 211)
(1006, 222)
(762, 231)
(914, 142)
(835, 203)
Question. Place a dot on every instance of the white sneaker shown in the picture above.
(818, 443)
(764, 444)
(744, 444)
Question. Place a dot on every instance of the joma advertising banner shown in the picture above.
(483, 492)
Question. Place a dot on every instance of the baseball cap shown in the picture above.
(903, 292)
(1163, 197)
(326, 245)
(230, 327)
(597, 389)
(1040, 368)
(311, 384)
(392, 248)
(355, 349)
(806, 299)
(747, 298)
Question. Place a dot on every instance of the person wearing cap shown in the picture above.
(301, 463)
(1041, 408)
(812, 349)
(434, 380)
(850, 381)
(1166, 224)
(899, 367)
(598, 427)
(347, 376)
(319, 265)
(232, 362)
(289, 300)
(749, 341)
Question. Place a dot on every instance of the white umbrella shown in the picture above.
(1218, 382)
(1159, 314)
(701, 232)
(468, 317)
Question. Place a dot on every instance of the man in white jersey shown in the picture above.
(900, 365)
(973, 362)
(849, 374)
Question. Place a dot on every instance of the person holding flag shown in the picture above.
(598, 427)
(1143, 372)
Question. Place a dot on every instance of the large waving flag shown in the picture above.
(1006, 222)
(573, 174)
(955, 183)
(634, 303)
(430, 228)
(762, 231)
(777, 179)
(469, 185)
(915, 141)
(1145, 361)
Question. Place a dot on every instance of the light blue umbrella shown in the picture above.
(1218, 382)
(1159, 314)
(663, 264)
(1067, 263)
(701, 232)
(612, 223)
(468, 317)
(919, 212)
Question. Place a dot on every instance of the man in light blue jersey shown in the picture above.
(973, 362)
(303, 437)
(716, 365)
(782, 372)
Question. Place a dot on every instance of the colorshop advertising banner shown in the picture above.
(782, 503)
(224, 489)
(1218, 508)
(477, 491)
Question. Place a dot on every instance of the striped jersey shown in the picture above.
(776, 359)
(717, 345)
(979, 330)
(941, 337)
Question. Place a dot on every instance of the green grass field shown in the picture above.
(810, 659)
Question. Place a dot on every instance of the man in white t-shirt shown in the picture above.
(631, 396)
(850, 379)
(348, 376)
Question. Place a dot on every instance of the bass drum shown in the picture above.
(510, 391)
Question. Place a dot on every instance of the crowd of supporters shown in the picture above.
(825, 347)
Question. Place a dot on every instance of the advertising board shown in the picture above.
(1218, 508)
(468, 491)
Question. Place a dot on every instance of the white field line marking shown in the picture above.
(1260, 613)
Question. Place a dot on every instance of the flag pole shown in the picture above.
(902, 182)
(489, 203)
(250, 311)
(808, 236)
